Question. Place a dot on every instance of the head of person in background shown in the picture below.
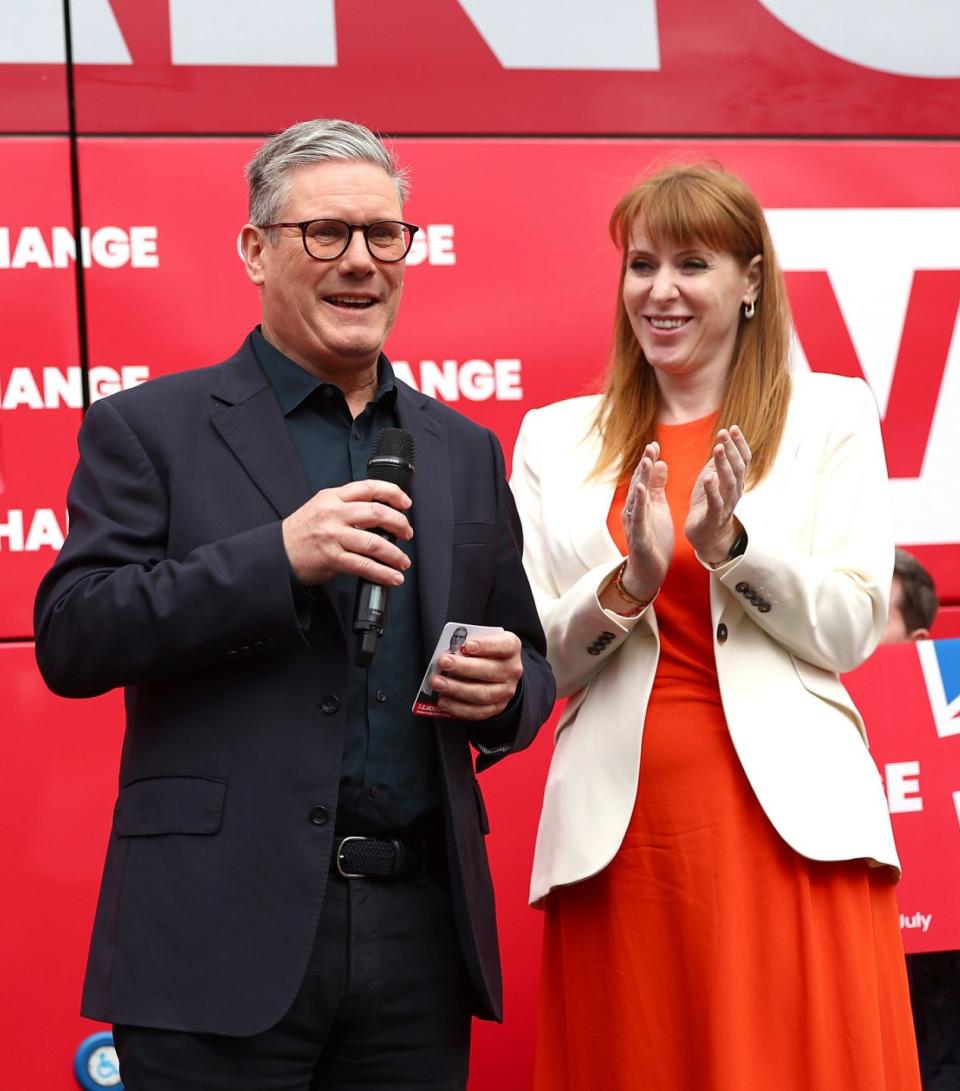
(913, 601)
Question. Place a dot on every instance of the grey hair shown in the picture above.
(323, 140)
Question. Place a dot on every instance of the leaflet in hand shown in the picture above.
(455, 634)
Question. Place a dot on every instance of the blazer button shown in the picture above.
(721, 633)
(743, 588)
(381, 696)
(330, 704)
(764, 607)
(319, 816)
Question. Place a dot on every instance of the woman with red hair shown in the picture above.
(710, 545)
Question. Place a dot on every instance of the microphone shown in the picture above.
(391, 459)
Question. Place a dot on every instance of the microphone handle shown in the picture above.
(370, 617)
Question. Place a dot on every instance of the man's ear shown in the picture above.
(252, 247)
(919, 634)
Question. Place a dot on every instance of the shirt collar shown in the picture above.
(293, 384)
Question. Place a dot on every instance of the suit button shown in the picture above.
(743, 588)
(381, 696)
(319, 816)
(330, 704)
(764, 607)
(721, 633)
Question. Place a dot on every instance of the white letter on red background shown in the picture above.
(288, 33)
(903, 786)
(33, 33)
(603, 34)
(906, 37)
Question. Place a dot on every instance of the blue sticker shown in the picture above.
(96, 1064)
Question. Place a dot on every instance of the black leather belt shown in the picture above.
(386, 857)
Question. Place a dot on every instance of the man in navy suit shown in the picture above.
(296, 892)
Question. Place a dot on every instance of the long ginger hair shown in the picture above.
(705, 205)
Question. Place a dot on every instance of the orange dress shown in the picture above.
(709, 955)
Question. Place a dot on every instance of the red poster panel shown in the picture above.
(909, 695)
(487, 66)
(511, 284)
(40, 384)
(57, 787)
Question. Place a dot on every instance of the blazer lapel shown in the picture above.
(247, 416)
(588, 503)
(432, 509)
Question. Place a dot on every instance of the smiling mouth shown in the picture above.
(666, 323)
(350, 302)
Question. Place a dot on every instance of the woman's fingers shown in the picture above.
(647, 471)
(714, 498)
(727, 477)
(740, 442)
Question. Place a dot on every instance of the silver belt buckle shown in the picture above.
(347, 874)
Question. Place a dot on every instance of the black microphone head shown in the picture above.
(392, 457)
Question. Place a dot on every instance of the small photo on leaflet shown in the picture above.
(455, 634)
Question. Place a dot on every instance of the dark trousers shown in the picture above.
(935, 994)
(385, 1005)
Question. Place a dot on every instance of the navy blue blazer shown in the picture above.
(174, 583)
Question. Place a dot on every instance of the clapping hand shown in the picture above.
(648, 527)
(711, 527)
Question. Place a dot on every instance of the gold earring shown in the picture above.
(749, 309)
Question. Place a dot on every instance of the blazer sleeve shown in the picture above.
(511, 605)
(115, 609)
(827, 604)
(581, 634)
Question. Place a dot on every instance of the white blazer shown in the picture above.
(807, 599)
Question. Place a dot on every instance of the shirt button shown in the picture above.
(319, 816)
(330, 704)
(381, 695)
(721, 633)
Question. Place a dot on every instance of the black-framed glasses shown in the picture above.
(327, 240)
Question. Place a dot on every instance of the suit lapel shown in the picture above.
(432, 509)
(589, 502)
(247, 416)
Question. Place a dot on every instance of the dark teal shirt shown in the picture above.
(389, 777)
